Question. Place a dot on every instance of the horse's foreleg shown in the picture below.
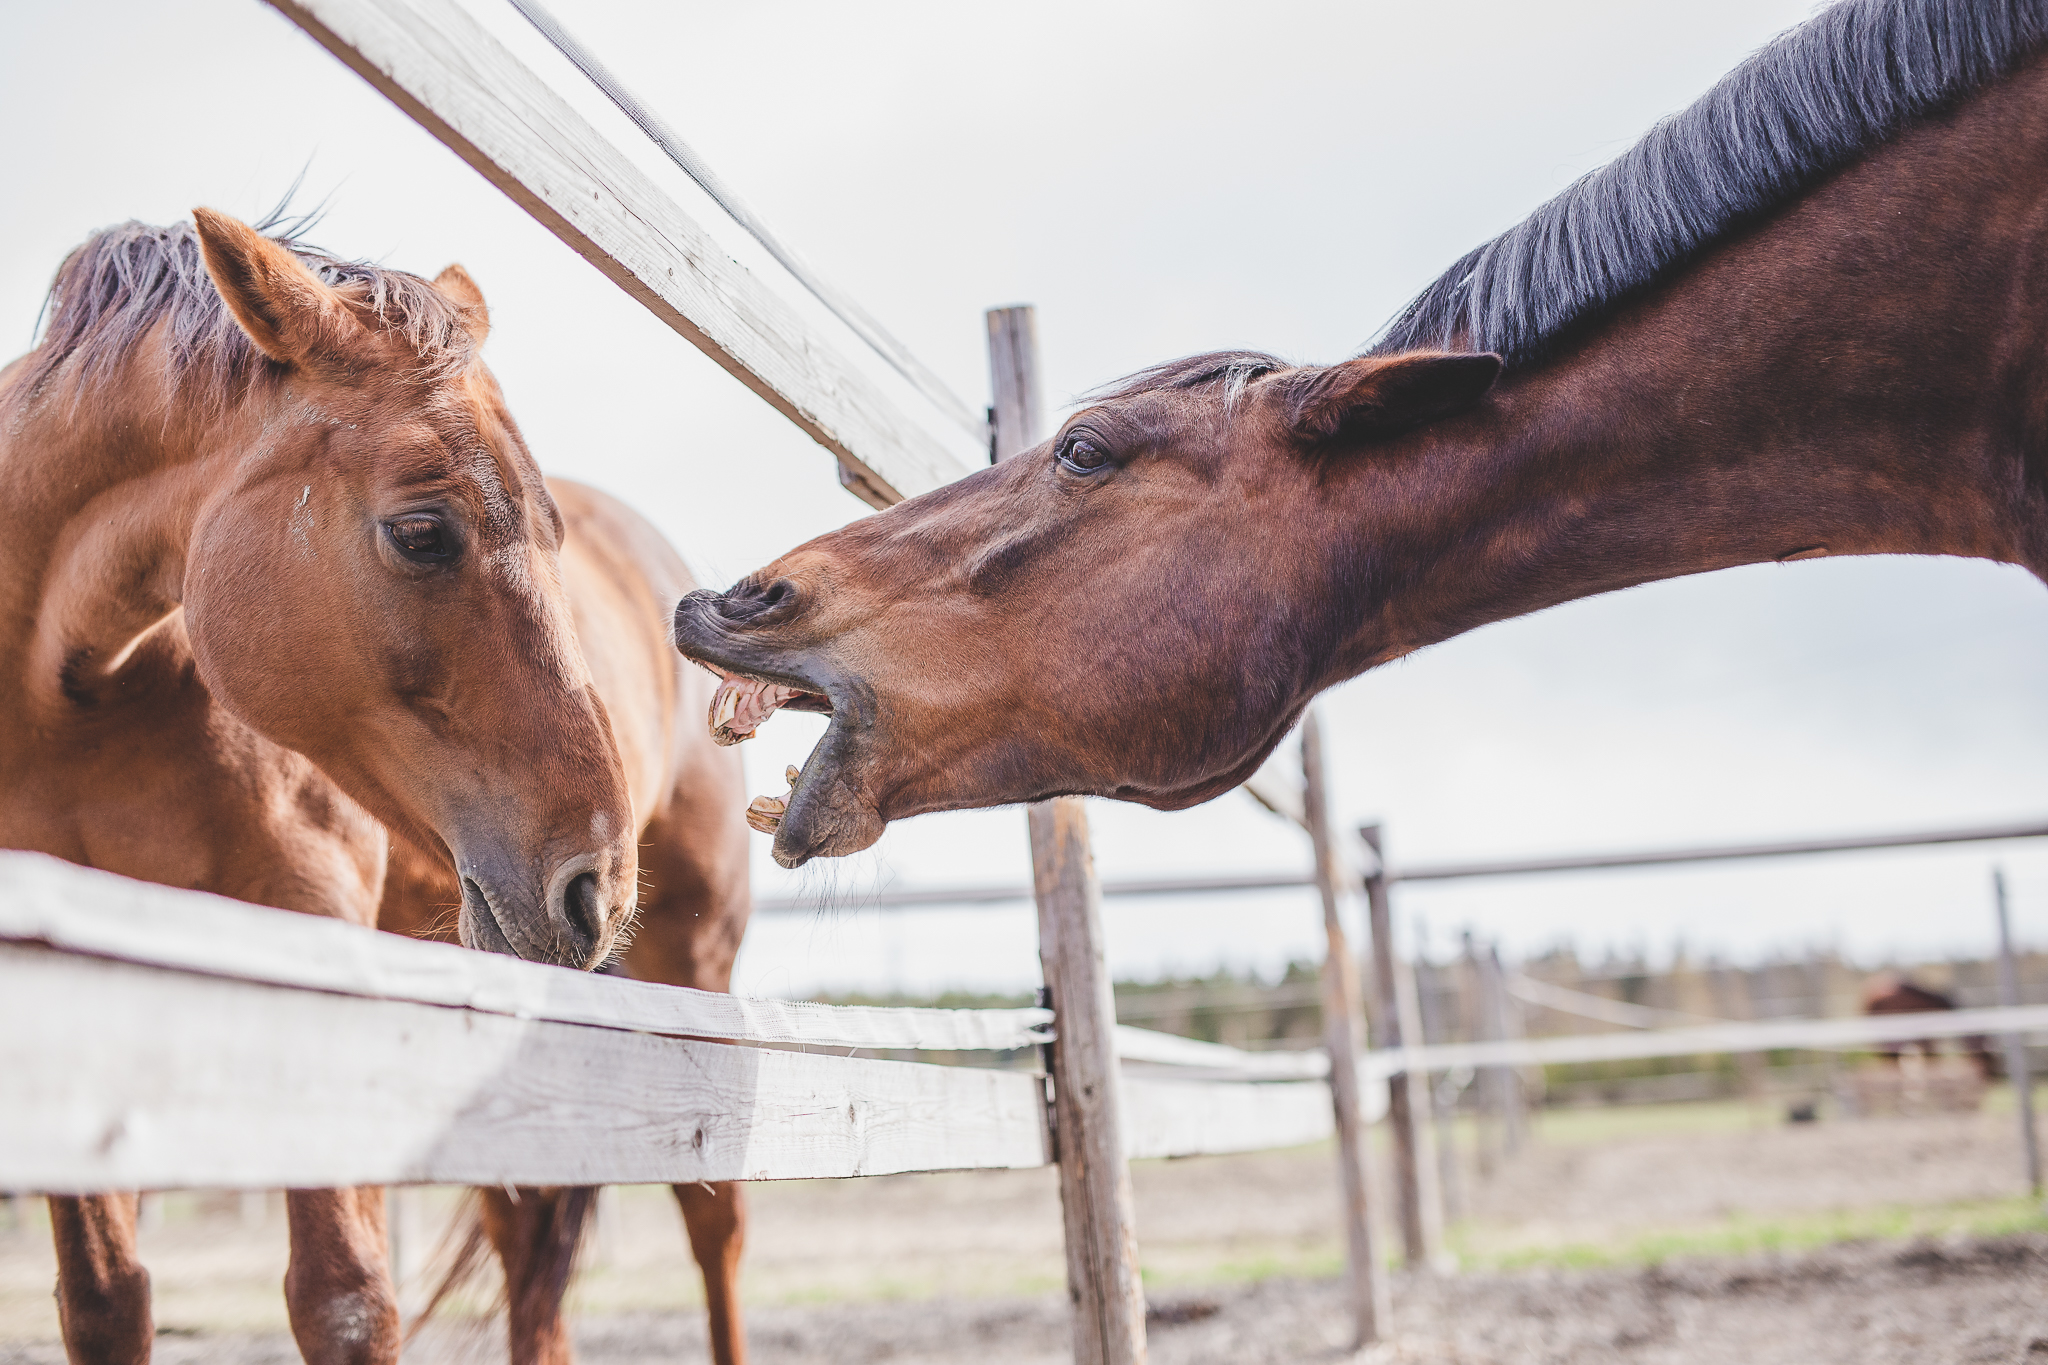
(716, 1216)
(536, 1236)
(337, 1288)
(102, 1289)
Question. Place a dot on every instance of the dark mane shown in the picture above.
(1234, 369)
(122, 282)
(1808, 104)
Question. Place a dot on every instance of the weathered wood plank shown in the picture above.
(47, 900)
(1217, 1060)
(1765, 1035)
(115, 1076)
(445, 70)
(1166, 1117)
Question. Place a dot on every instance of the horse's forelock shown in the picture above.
(122, 284)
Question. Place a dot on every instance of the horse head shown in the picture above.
(377, 586)
(1131, 609)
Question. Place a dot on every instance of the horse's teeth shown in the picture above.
(725, 705)
(790, 775)
(764, 813)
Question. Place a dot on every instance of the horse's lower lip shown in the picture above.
(480, 921)
(829, 814)
(826, 815)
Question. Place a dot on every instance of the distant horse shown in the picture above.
(1806, 316)
(1898, 995)
(620, 577)
(279, 575)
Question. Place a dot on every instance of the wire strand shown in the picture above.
(845, 309)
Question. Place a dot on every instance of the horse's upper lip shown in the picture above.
(780, 677)
(820, 796)
(702, 638)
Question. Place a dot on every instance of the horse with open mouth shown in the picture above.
(1806, 316)
(280, 575)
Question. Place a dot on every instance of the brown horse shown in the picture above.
(620, 576)
(1893, 994)
(280, 574)
(1807, 316)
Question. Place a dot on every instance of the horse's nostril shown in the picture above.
(580, 906)
(748, 600)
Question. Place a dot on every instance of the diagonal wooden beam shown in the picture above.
(461, 84)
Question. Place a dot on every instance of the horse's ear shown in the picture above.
(288, 313)
(1379, 395)
(463, 293)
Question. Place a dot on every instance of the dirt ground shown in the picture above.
(1694, 1233)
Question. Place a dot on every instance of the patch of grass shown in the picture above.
(1309, 1263)
(1587, 1127)
(900, 1289)
(1747, 1235)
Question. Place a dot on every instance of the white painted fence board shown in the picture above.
(1761, 1036)
(47, 900)
(1209, 1118)
(452, 76)
(1218, 1059)
(131, 1057)
(115, 1075)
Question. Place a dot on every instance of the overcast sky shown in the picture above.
(1157, 179)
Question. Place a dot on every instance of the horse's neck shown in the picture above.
(1863, 374)
(103, 492)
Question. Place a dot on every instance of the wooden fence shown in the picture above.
(157, 1039)
(152, 1038)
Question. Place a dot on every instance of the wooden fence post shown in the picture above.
(1490, 1120)
(2016, 1045)
(1429, 987)
(1408, 1105)
(1507, 1081)
(1095, 1181)
(1342, 1015)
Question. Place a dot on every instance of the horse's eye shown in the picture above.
(1082, 455)
(422, 539)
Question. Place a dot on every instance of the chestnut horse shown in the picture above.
(280, 575)
(1900, 995)
(1806, 316)
(620, 576)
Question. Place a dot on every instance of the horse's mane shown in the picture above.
(125, 281)
(1812, 101)
(1233, 369)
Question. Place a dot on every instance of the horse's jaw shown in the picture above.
(830, 810)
